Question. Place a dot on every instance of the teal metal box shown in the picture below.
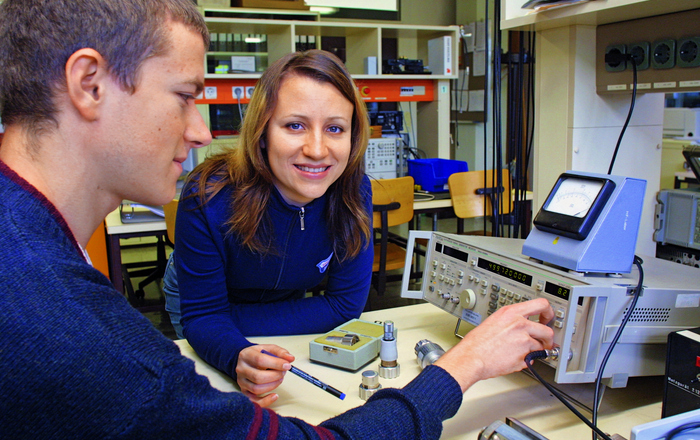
(326, 349)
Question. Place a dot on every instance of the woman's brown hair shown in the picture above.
(246, 167)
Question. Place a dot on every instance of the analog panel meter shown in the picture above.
(573, 205)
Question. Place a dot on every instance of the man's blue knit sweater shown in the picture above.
(78, 362)
(228, 292)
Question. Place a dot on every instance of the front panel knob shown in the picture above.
(468, 299)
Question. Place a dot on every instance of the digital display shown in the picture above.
(505, 271)
(454, 253)
(558, 291)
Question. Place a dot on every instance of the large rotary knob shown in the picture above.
(468, 299)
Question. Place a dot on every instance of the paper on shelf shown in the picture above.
(157, 210)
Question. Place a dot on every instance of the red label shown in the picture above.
(697, 361)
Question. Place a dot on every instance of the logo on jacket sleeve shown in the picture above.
(323, 265)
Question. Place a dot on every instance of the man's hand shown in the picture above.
(259, 373)
(499, 345)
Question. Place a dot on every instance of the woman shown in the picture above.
(261, 224)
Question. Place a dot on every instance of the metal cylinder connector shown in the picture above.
(370, 384)
(427, 352)
(388, 353)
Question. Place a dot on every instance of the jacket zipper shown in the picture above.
(301, 217)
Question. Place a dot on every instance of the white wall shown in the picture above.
(429, 12)
(578, 129)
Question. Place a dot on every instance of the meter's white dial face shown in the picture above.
(574, 197)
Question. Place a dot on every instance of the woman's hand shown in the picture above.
(259, 373)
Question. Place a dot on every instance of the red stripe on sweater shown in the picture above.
(274, 425)
(323, 433)
(256, 424)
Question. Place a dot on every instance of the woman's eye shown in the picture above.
(294, 126)
(335, 129)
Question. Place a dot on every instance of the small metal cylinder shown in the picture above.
(370, 384)
(427, 352)
(388, 353)
(389, 330)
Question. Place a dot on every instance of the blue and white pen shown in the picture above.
(309, 378)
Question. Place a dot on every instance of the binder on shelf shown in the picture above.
(440, 55)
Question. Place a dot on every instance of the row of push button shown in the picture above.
(444, 278)
(501, 296)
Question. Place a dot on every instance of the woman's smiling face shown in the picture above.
(308, 138)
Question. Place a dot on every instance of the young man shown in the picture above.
(98, 104)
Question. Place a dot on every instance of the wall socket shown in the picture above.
(663, 54)
(237, 93)
(249, 92)
(620, 49)
(640, 55)
(688, 52)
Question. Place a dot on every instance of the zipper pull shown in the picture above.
(301, 217)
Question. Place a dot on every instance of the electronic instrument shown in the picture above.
(677, 216)
(471, 277)
(588, 223)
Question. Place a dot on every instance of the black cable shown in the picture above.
(486, 99)
(413, 128)
(497, 228)
(530, 124)
(637, 292)
(458, 99)
(629, 114)
(529, 360)
(681, 429)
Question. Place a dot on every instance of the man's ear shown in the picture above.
(86, 81)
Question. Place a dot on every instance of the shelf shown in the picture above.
(595, 12)
(362, 39)
(267, 13)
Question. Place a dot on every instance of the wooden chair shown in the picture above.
(392, 202)
(170, 211)
(152, 270)
(470, 198)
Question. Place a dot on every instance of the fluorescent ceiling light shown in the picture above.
(253, 40)
(323, 10)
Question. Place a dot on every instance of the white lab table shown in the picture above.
(516, 395)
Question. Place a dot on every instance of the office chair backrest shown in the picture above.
(468, 203)
(387, 191)
(170, 211)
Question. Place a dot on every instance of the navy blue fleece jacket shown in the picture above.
(228, 293)
(78, 362)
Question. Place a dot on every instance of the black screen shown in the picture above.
(452, 252)
(553, 289)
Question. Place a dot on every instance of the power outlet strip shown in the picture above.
(664, 49)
